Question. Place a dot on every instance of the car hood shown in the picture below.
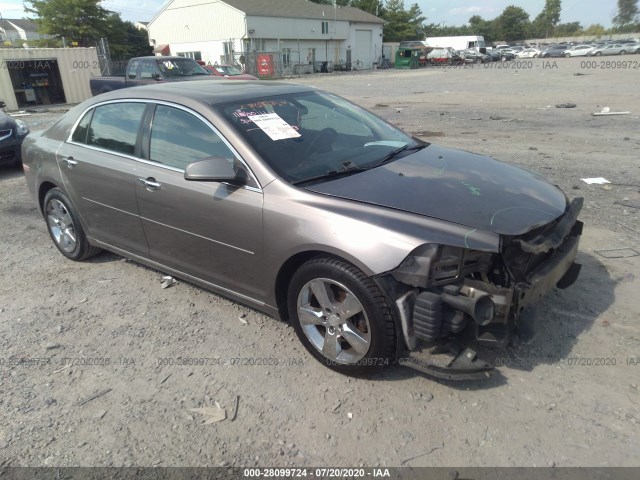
(458, 187)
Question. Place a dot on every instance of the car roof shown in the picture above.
(212, 92)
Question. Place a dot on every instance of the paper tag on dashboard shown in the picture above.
(274, 126)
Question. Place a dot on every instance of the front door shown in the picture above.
(210, 230)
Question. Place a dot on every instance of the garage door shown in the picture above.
(363, 48)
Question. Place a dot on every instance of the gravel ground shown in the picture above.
(570, 398)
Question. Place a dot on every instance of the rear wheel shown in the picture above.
(64, 228)
(340, 316)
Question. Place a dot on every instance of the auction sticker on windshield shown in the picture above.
(274, 126)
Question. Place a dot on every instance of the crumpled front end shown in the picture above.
(443, 292)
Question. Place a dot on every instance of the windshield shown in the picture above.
(180, 67)
(308, 135)
(227, 70)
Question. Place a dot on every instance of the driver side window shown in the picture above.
(178, 138)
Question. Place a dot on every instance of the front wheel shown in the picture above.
(567, 55)
(598, 54)
(340, 316)
(622, 52)
(64, 228)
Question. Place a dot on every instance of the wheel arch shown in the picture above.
(43, 189)
(293, 263)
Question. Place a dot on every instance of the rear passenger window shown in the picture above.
(179, 138)
(115, 127)
(80, 133)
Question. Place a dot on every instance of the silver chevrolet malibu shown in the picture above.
(379, 248)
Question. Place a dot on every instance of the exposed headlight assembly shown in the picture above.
(21, 128)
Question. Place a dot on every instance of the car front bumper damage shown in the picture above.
(446, 295)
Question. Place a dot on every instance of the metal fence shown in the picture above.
(283, 65)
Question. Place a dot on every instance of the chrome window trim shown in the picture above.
(149, 162)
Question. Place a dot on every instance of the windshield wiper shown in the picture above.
(394, 153)
(331, 174)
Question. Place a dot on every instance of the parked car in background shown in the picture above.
(472, 56)
(528, 53)
(501, 55)
(634, 47)
(444, 56)
(12, 133)
(146, 70)
(578, 51)
(229, 71)
(554, 51)
(372, 243)
(611, 49)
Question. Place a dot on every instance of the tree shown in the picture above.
(513, 23)
(374, 7)
(486, 28)
(81, 21)
(595, 30)
(627, 13)
(125, 40)
(568, 29)
(402, 24)
(548, 18)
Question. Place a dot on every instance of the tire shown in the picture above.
(623, 52)
(567, 55)
(598, 54)
(350, 330)
(535, 55)
(64, 227)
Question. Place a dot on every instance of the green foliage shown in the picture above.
(125, 40)
(545, 22)
(513, 23)
(84, 22)
(628, 13)
(374, 7)
(568, 29)
(81, 21)
(595, 30)
(402, 24)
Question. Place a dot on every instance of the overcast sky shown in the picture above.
(456, 12)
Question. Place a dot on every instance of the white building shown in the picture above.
(14, 32)
(293, 32)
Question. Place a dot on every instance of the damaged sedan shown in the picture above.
(376, 246)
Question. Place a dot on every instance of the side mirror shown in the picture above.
(157, 76)
(216, 169)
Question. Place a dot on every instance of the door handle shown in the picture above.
(69, 162)
(150, 183)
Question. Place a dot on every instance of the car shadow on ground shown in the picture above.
(562, 317)
(9, 172)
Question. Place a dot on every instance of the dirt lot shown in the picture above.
(569, 398)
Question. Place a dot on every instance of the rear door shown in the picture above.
(209, 230)
(97, 166)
